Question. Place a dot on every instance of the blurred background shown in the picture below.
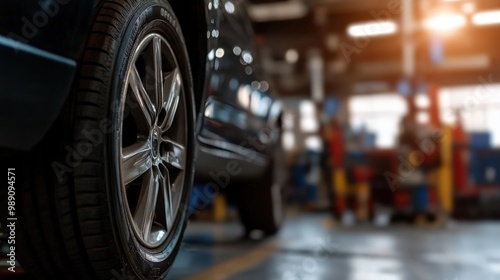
(402, 96)
(399, 99)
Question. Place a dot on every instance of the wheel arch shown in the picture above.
(192, 18)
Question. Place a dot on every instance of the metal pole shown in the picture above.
(408, 27)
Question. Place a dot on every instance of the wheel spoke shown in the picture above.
(143, 100)
(173, 83)
(166, 188)
(135, 161)
(158, 72)
(174, 154)
(146, 205)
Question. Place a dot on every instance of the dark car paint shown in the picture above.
(40, 42)
(56, 26)
(234, 129)
(57, 45)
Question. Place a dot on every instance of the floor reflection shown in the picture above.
(313, 247)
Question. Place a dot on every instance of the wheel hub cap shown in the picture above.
(155, 147)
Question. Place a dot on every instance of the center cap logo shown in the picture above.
(154, 142)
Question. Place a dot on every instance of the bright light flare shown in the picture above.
(486, 18)
(372, 28)
(422, 101)
(445, 22)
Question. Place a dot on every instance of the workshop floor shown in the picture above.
(312, 246)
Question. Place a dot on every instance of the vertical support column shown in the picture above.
(408, 54)
(316, 74)
(407, 28)
(435, 118)
(445, 170)
(445, 184)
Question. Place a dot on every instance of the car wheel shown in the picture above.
(261, 202)
(115, 207)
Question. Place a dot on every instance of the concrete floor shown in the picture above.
(313, 247)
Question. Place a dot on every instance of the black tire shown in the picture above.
(76, 210)
(261, 202)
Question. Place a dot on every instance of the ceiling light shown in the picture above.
(372, 28)
(286, 10)
(445, 22)
(486, 18)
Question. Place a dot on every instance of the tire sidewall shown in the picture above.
(146, 17)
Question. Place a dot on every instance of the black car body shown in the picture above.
(37, 74)
(118, 202)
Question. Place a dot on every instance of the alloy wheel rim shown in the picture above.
(153, 140)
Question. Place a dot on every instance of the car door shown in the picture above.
(236, 111)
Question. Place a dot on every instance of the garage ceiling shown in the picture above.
(474, 50)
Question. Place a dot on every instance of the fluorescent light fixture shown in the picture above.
(486, 18)
(372, 28)
(286, 10)
(445, 22)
